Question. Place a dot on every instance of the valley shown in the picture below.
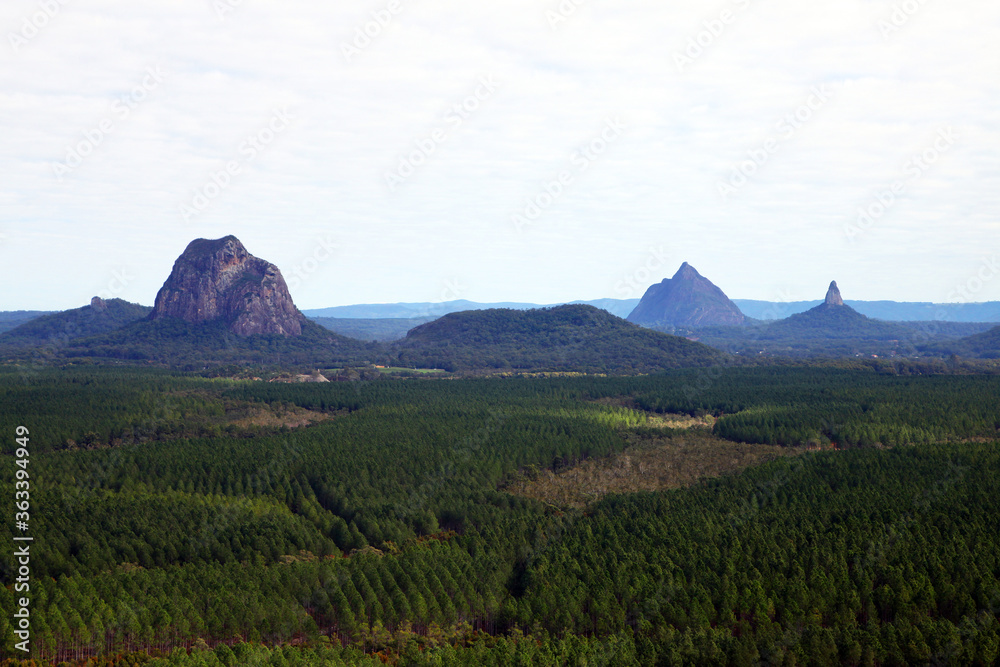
(220, 480)
(458, 501)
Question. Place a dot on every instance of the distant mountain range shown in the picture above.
(892, 311)
(432, 310)
(222, 305)
(835, 329)
(377, 329)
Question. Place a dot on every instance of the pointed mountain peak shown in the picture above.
(686, 300)
(833, 297)
(687, 272)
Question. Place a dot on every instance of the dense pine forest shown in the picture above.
(186, 520)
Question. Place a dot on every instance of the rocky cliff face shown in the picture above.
(686, 300)
(833, 297)
(219, 279)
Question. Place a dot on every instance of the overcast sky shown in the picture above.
(521, 150)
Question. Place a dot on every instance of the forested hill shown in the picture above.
(97, 318)
(564, 338)
(824, 331)
(832, 322)
(10, 319)
(574, 338)
(178, 344)
(985, 345)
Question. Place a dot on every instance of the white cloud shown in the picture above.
(353, 121)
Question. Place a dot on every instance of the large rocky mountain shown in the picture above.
(833, 297)
(218, 280)
(686, 300)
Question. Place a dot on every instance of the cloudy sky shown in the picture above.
(522, 150)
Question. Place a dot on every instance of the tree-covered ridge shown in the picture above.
(985, 345)
(11, 319)
(60, 328)
(182, 345)
(831, 323)
(565, 338)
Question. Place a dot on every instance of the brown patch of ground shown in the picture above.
(266, 416)
(649, 463)
(215, 417)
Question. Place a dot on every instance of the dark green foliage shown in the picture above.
(831, 323)
(840, 331)
(817, 557)
(386, 527)
(802, 405)
(59, 328)
(10, 319)
(96, 406)
(565, 338)
(187, 346)
(984, 345)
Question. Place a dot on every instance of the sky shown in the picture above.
(524, 150)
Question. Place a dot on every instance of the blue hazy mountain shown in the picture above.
(686, 300)
(617, 307)
(893, 311)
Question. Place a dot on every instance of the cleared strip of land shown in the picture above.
(650, 463)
